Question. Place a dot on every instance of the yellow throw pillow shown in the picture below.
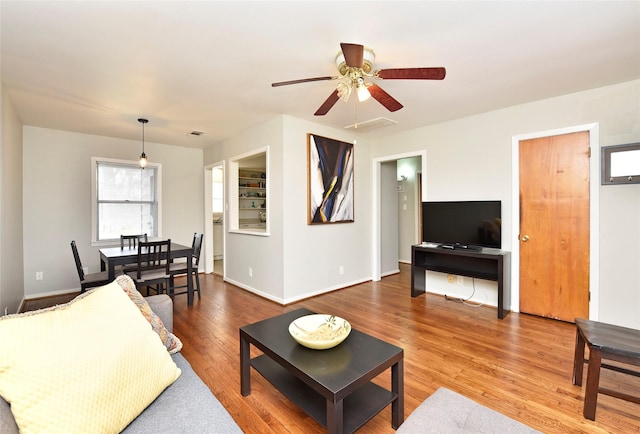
(90, 366)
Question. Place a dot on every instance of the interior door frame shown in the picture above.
(208, 211)
(594, 207)
(375, 204)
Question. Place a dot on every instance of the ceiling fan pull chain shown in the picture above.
(355, 124)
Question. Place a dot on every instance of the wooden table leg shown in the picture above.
(335, 417)
(578, 359)
(397, 387)
(245, 366)
(593, 384)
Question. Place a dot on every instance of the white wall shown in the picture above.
(263, 254)
(470, 158)
(302, 260)
(11, 277)
(314, 254)
(57, 200)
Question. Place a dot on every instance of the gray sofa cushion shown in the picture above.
(187, 406)
(7, 422)
(449, 412)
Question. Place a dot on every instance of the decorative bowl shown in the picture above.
(319, 331)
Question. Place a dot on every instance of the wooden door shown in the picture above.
(554, 226)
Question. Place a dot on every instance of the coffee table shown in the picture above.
(332, 386)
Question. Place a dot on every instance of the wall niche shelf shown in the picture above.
(252, 198)
(249, 193)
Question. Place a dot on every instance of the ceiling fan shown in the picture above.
(355, 65)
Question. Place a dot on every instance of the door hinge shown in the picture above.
(589, 295)
(589, 152)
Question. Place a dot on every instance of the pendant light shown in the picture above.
(143, 156)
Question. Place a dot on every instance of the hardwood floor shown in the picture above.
(520, 366)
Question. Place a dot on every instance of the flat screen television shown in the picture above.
(466, 223)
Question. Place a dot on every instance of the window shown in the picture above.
(620, 164)
(126, 199)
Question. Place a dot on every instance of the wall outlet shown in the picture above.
(460, 280)
(250, 272)
(341, 270)
(450, 278)
(39, 275)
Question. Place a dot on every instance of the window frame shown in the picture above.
(605, 161)
(94, 197)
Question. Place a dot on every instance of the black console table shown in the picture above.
(488, 264)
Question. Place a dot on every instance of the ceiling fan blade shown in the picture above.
(353, 54)
(302, 80)
(326, 106)
(384, 98)
(412, 73)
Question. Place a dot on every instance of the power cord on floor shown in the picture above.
(466, 300)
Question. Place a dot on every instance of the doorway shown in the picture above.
(380, 178)
(214, 219)
(217, 214)
(542, 164)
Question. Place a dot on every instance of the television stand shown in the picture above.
(488, 264)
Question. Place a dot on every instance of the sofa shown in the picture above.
(186, 405)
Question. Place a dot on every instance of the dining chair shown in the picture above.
(177, 268)
(89, 280)
(132, 240)
(153, 260)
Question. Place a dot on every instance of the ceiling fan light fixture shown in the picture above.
(355, 65)
(344, 90)
(362, 91)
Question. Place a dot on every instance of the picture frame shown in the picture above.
(330, 180)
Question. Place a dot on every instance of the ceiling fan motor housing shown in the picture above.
(367, 65)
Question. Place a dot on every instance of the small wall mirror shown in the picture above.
(620, 164)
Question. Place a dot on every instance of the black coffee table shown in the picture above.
(332, 386)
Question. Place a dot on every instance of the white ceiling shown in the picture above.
(96, 67)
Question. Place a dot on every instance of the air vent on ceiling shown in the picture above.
(371, 124)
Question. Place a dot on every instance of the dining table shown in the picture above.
(111, 257)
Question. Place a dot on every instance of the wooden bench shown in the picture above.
(605, 342)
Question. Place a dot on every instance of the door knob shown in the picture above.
(524, 238)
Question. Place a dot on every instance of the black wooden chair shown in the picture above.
(178, 268)
(152, 266)
(89, 280)
(132, 240)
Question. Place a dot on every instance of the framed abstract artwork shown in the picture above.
(330, 180)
